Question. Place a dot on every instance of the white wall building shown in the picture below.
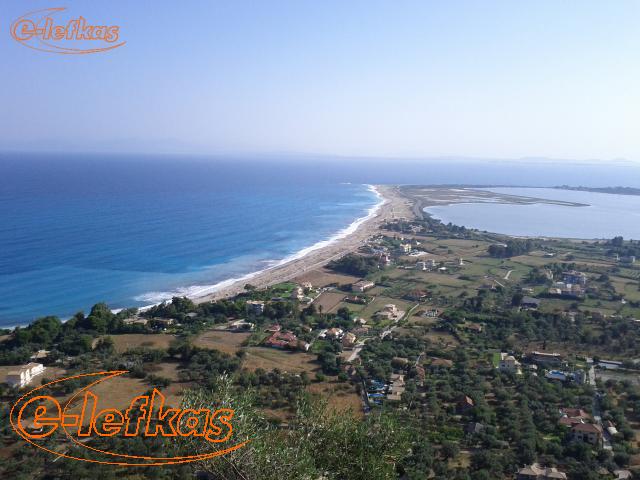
(23, 376)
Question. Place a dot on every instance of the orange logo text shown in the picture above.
(42, 30)
(35, 417)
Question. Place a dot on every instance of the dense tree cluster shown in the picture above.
(511, 248)
(358, 265)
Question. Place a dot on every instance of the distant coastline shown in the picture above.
(612, 190)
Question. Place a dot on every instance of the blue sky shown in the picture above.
(481, 79)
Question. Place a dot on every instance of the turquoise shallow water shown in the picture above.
(74, 233)
(606, 215)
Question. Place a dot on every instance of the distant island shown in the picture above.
(614, 190)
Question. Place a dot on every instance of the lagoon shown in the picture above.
(605, 216)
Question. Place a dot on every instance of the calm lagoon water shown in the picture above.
(606, 215)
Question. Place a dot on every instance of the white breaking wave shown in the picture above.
(196, 291)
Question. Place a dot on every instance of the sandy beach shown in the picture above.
(395, 206)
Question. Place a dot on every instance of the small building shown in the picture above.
(562, 376)
(297, 293)
(536, 472)
(530, 303)
(610, 427)
(24, 375)
(135, 321)
(359, 321)
(163, 323)
(464, 404)
(421, 266)
(282, 340)
(588, 433)
(40, 355)
(545, 358)
(417, 295)
(572, 416)
(334, 333)
(396, 389)
(389, 312)
(629, 260)
(622, 474)
(348, 340)
(473, 428)
(473, 327)
(362, 286)
(255, 307)
(405, 248)
(355, 299)
(574, 277)
(508, 363)
(240, 326)
(273, 328)
(360, 331)
(390, 307)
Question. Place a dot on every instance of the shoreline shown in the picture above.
(392, 204)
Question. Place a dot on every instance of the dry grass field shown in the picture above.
(270, 358)
(167, 370)
(339, 399)
(227, 342)
(329, 301)
(128, 341)
(323, 277)
(118, 392)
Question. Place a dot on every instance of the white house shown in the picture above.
(23, 376)
(297, 293)
(405, 248)
(508, 363)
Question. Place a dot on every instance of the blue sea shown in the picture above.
(133, 230)
(76, 231)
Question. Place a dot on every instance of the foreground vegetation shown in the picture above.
(418, 392)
